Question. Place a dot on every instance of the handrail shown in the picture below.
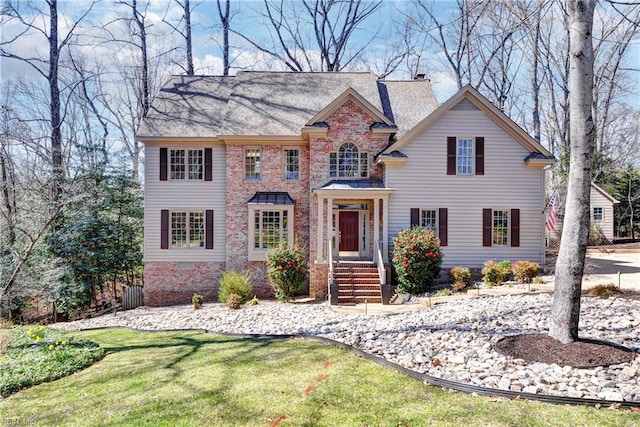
(330, 262)
(379, 261)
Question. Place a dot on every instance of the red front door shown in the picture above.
(348, 231)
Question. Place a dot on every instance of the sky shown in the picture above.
(207, 38)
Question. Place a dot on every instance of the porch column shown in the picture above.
(385, 229)
(329, 223)
(320, 221)
(376, 222)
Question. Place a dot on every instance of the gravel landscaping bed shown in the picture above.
(454, 340)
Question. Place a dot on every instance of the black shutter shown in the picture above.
(163, 164)
(443, 226)
(208, 164)
(451, 155)
(515, 227)
(486, 227)
(208, 239)
(164, 229)
(479, 155)
(415, 217)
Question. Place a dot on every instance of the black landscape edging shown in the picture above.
(428, 379)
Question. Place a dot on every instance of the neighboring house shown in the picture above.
(235, 164)
(602, 211)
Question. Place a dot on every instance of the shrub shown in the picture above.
(197, 300)
(416, 260)
(525, 271)
(596, 235)
(504, 270)
(603, 291)
(494, 273)
(443, 293)
(234, 301)
(287, 270)
(460, 278)
(233, 282)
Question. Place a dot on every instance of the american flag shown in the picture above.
(552, 213)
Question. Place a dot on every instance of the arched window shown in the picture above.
(348, 162)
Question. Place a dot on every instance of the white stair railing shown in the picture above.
(330, 262)
(380, 263)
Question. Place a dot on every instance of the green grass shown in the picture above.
(194, 379)
(34, 355)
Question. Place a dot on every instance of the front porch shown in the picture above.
(348, 241)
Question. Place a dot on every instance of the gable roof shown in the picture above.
(275, 103)
(472, 95)
(604, 193)
(349, 95)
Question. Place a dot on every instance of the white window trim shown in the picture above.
(244, 163)
(436, 210)
(284, 163)
(204, 231)
(593, 214)
(261, 254)
(473, 155)
(186, 164)
(508, 237)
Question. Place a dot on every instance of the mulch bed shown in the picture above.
(580, 354)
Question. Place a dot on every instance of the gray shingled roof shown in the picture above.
(274, 103)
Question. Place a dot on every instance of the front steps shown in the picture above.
(358, 281)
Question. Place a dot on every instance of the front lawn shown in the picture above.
(191, 378)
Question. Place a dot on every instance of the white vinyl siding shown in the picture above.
(600, 201)
(184, 195)
(507, 182)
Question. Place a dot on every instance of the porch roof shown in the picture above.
(272, 198)
(354, 188)
(338, 184)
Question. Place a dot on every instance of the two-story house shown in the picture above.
(338, 162)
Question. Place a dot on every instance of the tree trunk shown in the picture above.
(225, 21)
(56, 122)
(187, 36)
(565, 307)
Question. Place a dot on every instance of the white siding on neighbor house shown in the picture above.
(184, 195)
(507, 183)
(598, 200)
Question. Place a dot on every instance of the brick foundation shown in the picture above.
(318, 276)
(165, 284)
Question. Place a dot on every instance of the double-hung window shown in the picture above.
(434, 220)
(348, 162)
(429, 220)
(464, 157)
(252, 164)
(187, 229)
(186, 164)
(501, 227)
(598, 214)
(291, 164)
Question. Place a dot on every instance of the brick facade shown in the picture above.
(239, 191)
(349, 123)
(165, 284)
